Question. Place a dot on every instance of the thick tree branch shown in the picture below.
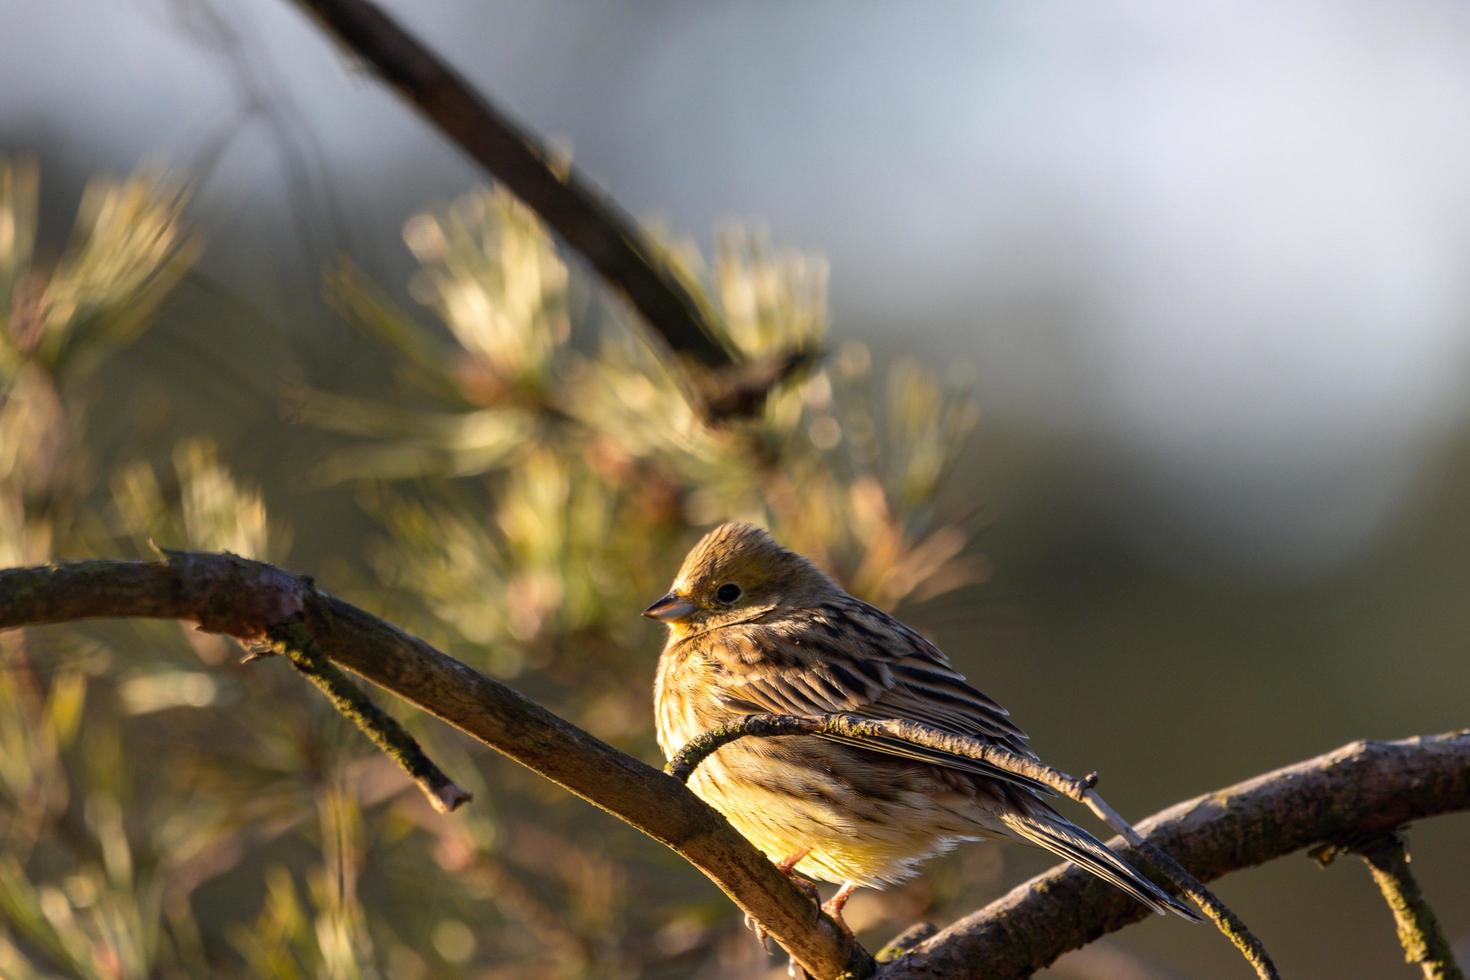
(1358, 788)
(251, 600)
(588, 221)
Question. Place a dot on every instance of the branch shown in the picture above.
(249, 600)
(585, 219)
(294, 640)
(688, 758)
(1358, 788)
(1419, 931)
(1218, 912)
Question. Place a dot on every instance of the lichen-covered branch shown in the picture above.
(1229, 924)
(1420, 935)
(688, 758)
(249, 600)
(294, 640)
(1419, 932)
(1358, 788)
(586, 220)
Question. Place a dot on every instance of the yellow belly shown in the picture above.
(861, 818)
(870, 837)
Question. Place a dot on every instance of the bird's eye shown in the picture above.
(728, 592)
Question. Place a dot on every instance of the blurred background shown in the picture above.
(1147, 401)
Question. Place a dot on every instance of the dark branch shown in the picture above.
(740, 391)
(905, 941)
(293, 639)
(1420, 935)
(585, 219)
(1360, 787)
(248, 600)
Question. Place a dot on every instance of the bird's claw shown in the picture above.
(808, 889)
(788, 868)
(833, 907)
(762, 937)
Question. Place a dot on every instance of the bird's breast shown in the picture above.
(681, 695)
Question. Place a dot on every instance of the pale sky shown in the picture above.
(1219, 243)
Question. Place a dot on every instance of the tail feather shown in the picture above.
(1065, 839)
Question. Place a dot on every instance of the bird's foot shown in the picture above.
(761, 936)
(833, 906)
(787, 866)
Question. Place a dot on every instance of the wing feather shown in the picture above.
(851, 657)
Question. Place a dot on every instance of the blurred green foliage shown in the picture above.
(534, 474)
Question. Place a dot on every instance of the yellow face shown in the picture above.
(735, 574)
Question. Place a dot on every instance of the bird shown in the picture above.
(754, 628)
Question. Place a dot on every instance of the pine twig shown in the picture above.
(701, 747)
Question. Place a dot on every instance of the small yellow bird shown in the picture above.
(755, 628)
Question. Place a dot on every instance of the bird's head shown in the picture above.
(735, 574)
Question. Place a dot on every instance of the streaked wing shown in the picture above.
(851, 657)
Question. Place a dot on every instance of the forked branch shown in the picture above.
(720, 385)
(1359, 788)
(1363, 787)
(255, 602)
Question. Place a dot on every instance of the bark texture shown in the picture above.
(1359, 788)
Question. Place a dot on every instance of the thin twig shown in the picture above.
(293, 639)
(722, 385)
(1217, 911)
(701, 747)
(1387, 857)
(688, 758)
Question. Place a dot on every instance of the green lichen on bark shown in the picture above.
(294, 640)
(1423, 941)
(905, 941)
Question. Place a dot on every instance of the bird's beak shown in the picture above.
(670, 609)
